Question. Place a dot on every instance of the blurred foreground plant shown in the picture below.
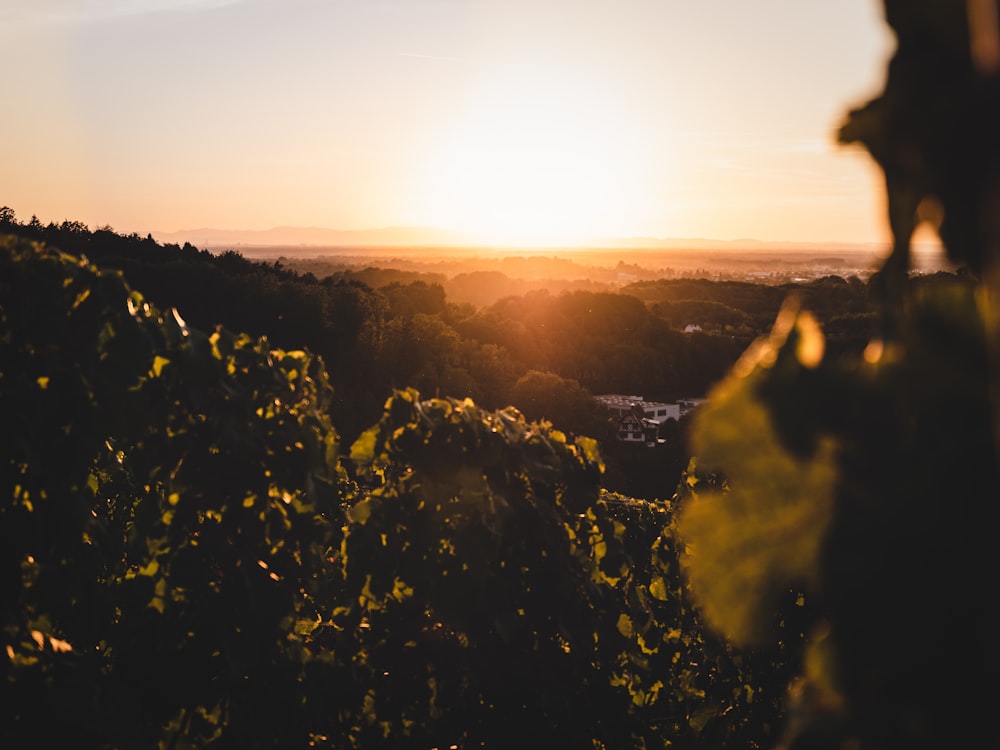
(872, 484)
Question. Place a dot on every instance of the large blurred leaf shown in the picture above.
(748, 543)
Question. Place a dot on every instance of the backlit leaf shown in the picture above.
(747, 545)
(158, 364)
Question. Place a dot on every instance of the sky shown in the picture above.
(509, 121)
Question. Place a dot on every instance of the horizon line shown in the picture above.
(425, 236)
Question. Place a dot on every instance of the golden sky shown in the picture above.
(513, 121)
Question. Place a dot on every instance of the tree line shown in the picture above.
(546, 353)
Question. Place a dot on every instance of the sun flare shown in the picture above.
(533, 162)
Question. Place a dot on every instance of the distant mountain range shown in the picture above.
(319, 236)
(431, 237)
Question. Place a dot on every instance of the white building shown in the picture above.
(632, 429)
(622, 405)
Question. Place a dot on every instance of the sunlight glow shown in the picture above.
(534, 161)
(494, 123)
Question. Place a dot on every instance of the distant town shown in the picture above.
(608, 267)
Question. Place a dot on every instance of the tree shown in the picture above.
(563, 402)
(416, 349)
(416, 297)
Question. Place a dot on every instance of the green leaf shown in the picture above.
(658, 589)
(363, 449)
(747, 545)
(158, 364)
(360, 512)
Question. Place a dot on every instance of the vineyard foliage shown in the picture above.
(168, 497)
(191, 558)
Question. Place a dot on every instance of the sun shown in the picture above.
(532, 161)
